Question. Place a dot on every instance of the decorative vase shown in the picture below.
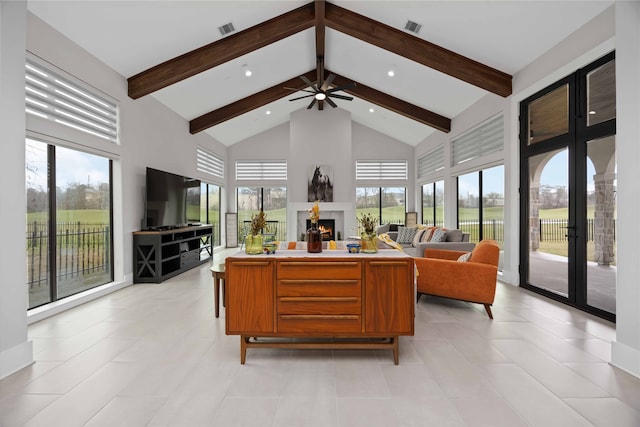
(369, 242)
(253, 244)
(314, 239)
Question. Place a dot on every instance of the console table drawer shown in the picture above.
(319, 305)
(319, 323)
(313, 288)
(319, 270)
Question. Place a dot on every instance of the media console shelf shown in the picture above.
(159, 255)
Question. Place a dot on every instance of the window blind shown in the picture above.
(479, 141)
(210, 163)
(261, 170)
(62, 99)
(381, 169)
(431, 162)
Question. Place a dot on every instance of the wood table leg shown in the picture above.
(243, 348)
(216, 295)
(396, 350)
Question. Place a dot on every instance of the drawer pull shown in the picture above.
(319, 316)
(316, 281)
(250, 263)
(318, 299)
(318, 264)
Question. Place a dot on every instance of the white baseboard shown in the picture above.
(15, 358)
(625, 358)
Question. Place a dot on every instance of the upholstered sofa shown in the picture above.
(453, 239)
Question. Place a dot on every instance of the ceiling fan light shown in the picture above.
(321, 96)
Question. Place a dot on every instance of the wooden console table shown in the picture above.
(358, 300)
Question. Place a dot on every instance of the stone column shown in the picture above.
(604, 222)
(534, 217)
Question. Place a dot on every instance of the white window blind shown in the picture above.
(210, 163)
(479, 141)
(431, 162)
(62, 99)
(261, 170)
(381, 169)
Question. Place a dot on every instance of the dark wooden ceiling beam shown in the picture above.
(247, 104)
(221, 51)
(396, 105)
(418, 50)
(276, 92)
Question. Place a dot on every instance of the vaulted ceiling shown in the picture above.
(173, 51)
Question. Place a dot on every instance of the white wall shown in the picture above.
(311, 137)
(15, 351)
(626, 348)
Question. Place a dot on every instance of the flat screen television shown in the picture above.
(171, 200)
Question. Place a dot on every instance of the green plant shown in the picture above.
(368, 222)
(258, 222)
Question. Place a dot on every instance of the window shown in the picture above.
(60, 98)
(381, 169)
(69, 231)
(210, 209)
(210, 163)
(433, 203)
(271, 200)
(387, 204)
(481, 204)
(483, 139)
(261, 170)
(431, 162)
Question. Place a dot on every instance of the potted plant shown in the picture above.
(369, 240)
(253, 240)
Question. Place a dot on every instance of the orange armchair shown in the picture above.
(440, 274)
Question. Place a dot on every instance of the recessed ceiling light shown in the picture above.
(371, 110)
(247, 71)
(391, 73)
(268, 112)
(592, 112)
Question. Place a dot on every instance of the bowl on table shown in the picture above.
(269, 248)
(353, 248)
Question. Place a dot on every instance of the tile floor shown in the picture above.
(155, 355)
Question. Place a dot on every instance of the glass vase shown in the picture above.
(314, 239)
(369, 243)
(253, 244)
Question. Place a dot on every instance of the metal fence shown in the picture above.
(555, 230)
(80, 248)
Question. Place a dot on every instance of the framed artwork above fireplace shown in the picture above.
(320, 183)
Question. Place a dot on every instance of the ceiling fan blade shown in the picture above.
(312, 103)
(333, 104)
(327, 82)
(301, 90)
(320, 105)
(335, 95)
(300, 97)
(347, 86)
(309, 82)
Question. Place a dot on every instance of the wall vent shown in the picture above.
(414, 27)
(226, 29)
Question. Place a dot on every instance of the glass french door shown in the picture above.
(568, 187)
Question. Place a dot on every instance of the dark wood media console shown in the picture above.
(159, 255)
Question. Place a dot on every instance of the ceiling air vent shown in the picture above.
(226, 29)
(414, 27)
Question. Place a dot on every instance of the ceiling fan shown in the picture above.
(323, 92)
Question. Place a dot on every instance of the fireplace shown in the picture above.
(327, 227)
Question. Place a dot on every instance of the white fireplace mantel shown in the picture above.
(298, 212)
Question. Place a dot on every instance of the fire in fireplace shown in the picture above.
(327, 227)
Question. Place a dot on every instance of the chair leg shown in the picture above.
(418, 297)
(487, 307)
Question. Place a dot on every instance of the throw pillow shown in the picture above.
(464, 257)
(405, 234)
(381, 229)
(454, 235)
(438, 235)
(427, 234)
(418, 236)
